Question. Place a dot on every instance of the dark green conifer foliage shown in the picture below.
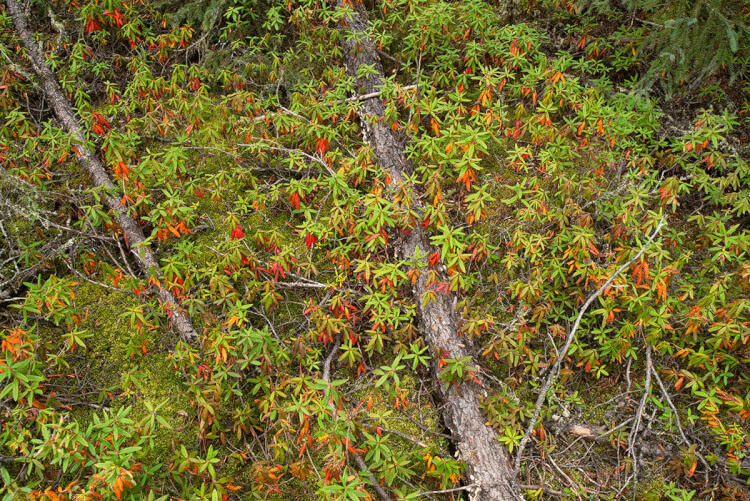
(683, 43)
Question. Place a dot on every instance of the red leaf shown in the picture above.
(91, 24)
(321, 146)
(434, 259)
(310, 240)
(237, 233)
(294, 200)
(116, 16)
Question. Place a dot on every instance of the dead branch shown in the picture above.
(49, 251)
(552, 376)
(487, 463)
(637, 422)
(98, 174)
(352, 99)
(687, 442)
(357, 458)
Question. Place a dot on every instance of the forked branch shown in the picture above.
(552, 376)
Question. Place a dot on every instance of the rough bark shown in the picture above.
(96, 171)
(488, 465)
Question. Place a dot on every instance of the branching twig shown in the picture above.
(92, 164)
(49, 251)
(261, 143)
(573, 485)
(329, 360)
(357, 458)
(94, 282)
(360, 97)
(448, 491)
(404, 436)
(552, 376)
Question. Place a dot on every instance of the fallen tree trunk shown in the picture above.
(96, 171)
(487, 463)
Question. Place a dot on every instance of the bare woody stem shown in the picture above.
(357, 458)
(552, 376)
(97, 173)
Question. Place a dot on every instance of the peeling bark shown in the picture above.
(96, 171)
(487, 463)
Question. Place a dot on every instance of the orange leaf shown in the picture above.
(118, 487)
(692, 469)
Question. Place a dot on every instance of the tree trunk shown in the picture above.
(98, 174)
(487, 463)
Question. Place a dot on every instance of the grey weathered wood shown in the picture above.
(488, 465)
(96, 171)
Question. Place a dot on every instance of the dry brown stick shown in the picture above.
(352, 99)
(545, 489)
(399, 434)
(97, 173)
(93, 282)
(448, 491)
(329, 360)
(424, 428)
(552, 376)
(46, 253)
(572, 484)
(637, 422)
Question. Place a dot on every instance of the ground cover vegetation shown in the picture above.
(404, 249)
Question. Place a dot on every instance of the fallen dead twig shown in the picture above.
(687, 442)
(637, 422)
(352, 99)
(137, 241)
(552, 376)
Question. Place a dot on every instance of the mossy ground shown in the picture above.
(112, 363)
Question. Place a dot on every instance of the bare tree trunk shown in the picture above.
(64, 113)
(488, 464)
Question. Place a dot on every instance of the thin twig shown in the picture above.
(370, 95)
(687, 442)
(357, 458)
(426, 429)
(404, 436)
(573, 485)
(94, 282)
(448, 491)
(637, 423)
(329, 360)
(261, 144)
(360, 97)
(549, 491)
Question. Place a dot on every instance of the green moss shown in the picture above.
(152, 378)
(382, 410)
